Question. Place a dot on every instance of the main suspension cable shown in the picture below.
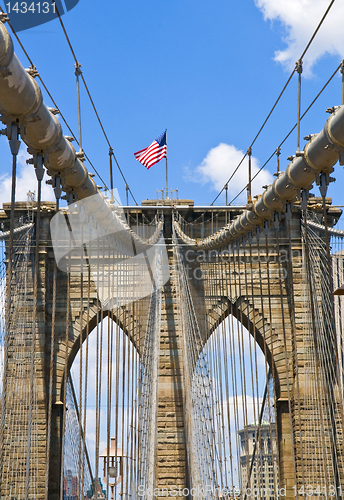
(289, 133)
(52, 99)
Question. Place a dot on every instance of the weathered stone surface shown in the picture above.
(236, 286)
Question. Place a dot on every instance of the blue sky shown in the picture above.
(208, 72)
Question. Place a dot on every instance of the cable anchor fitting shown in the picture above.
(276, 221)
(37, 161)
(288, 212)
(56, 183)
(304, 199)
(12, 134)
(69, 197)
(325, 180)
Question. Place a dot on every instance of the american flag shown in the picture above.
(154, 153)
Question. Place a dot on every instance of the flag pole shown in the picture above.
(166, 168)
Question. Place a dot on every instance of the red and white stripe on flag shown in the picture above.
(154, 153)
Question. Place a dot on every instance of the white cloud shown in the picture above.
(26, 181)
(220, 163)
(247, 407)
(299, 19)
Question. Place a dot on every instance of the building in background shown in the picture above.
(259, 443)
(70, 486)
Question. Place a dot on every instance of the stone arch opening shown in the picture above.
(106, 402)
(240, 397)
(256, 325)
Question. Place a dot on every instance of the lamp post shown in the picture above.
(113, 463)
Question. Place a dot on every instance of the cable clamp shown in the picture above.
(80, 155)
(4, 17)
(55, 111)
(309, 137)
(32, 71)
(78, 71)
(298, 66)
(332, 109)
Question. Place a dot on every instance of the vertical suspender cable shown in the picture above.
(314, 330)
(249, 189)
(81, 451)
(14, 146)
(278, 154)
(342, 72)
(334, 344)
(78, 72)
(109, 372)
(263, 331)
(51, 373)
(111, 175)
(273, 368)
(299, 71)
(286, 359)
(86, 376)
(96, 448)
(226, 334)
(294, 337)
(39, 174)
(65, 373)
(241, 349)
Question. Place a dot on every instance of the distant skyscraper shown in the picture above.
(70, 486)
(263, 481)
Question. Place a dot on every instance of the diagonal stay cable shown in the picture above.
(279, 97)
(290, 132)
(90, 97)
(316, 30)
